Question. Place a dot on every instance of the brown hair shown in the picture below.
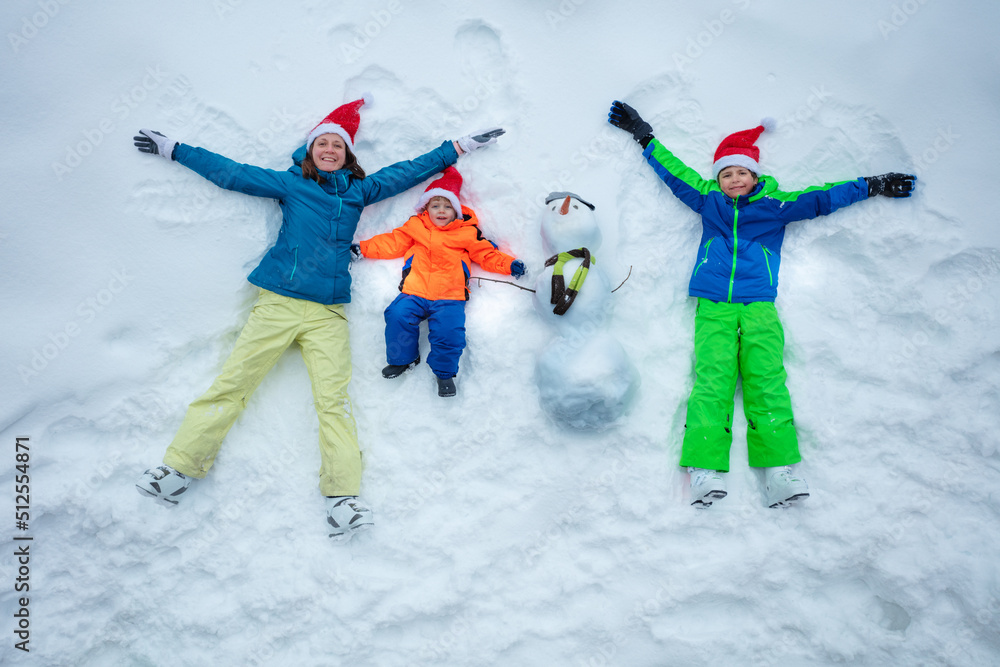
(309, 169)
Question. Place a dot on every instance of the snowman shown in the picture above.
(585, 379)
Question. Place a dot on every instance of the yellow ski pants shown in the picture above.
(276, 322)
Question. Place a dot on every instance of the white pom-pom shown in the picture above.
(368, 98)
(769, 124)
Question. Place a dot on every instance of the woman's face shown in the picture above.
(329, 152)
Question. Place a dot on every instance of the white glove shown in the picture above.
(150, 141)
(471, 142)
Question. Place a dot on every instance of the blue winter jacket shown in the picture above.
(311, 256)
(740, 250)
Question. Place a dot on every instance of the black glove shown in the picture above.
(891, 185)
(628, 119)
(355, 251)
(151, 141)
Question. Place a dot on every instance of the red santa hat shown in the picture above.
(343, 121)
(738, 149)
(448, 186)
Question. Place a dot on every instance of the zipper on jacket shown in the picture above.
(767, 263)
(704, 260)
(295, 262)
(736, 243)
(340, 200)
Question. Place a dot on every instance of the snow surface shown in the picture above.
(501, 538)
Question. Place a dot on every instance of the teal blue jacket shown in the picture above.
(740, 251)
(310, 258)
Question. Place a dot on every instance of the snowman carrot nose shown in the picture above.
(565, 207)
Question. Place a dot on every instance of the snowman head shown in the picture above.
(568, 222)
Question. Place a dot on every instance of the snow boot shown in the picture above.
(446, 387)
(347, 515)
(706, 486)
(164, 484)
(784, 488)
(395, 370)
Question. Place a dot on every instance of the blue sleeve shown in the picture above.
(820, 200)
(683, 181)
(232, 175)
(396, 178)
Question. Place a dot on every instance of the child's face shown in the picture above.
(440, 211)
(737, 181)
(329, 152)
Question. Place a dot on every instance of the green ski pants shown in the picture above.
(732, 339)
(276, 322)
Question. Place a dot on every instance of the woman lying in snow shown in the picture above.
(304, 284)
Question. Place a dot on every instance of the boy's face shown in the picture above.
(737, 181)
(440, 211)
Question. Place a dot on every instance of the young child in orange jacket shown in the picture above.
(439, 246)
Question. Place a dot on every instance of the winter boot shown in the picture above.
(347, 515)
(164, 484)
(446, 387)
(784, 488)
(395, 370)
(706, 486)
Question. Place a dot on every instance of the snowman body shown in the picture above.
(591, 307)
(584, 376)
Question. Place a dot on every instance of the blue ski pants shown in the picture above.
(445, 332)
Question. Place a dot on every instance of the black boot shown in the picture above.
(394, 371)
(446, 387)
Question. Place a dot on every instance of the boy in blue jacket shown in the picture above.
(735, 279)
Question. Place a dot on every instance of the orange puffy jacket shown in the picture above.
(438, 259)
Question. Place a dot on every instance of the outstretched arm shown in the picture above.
(222, 171)
(388, 245)
(819, 199)
(686, 184)
(390, 181)
(486, 255)
(825, 199)
(401, 176)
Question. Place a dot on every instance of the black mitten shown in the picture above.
(891, 185)
(628, 119)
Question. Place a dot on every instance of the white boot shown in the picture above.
(347, 515)
(706, 486)
(164, 484)
(784, 488)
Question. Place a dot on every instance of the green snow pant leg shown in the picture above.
(266, 335)
(771, 437)
(708, 429)
(326, 349)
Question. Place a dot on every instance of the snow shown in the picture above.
(501, 538)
